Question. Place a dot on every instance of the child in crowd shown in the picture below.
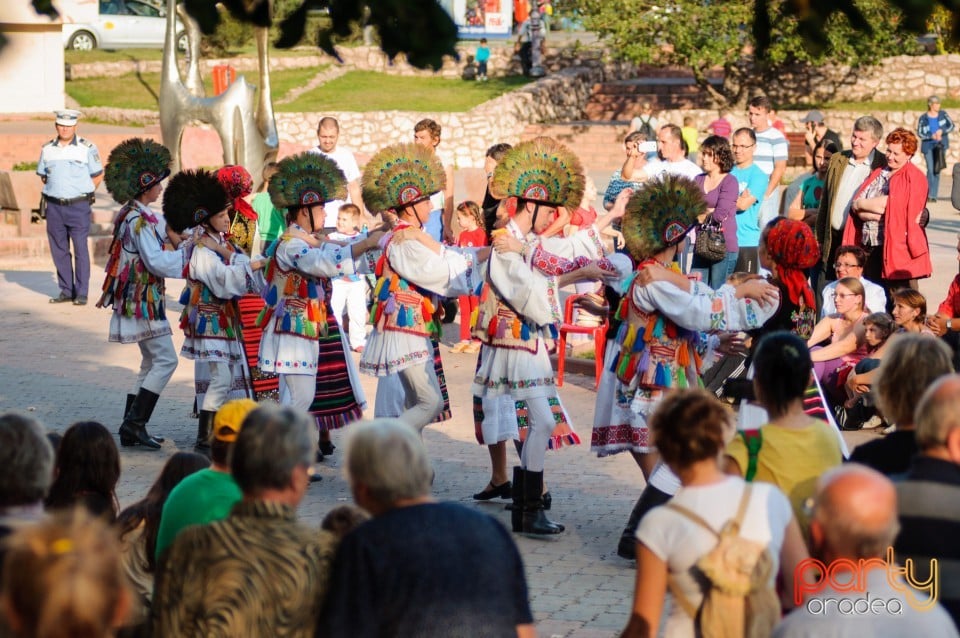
(689, 134)
(343, 519)
(482, 58)
(350, 290)
(720, 126)
(472, 235)
(271, 219)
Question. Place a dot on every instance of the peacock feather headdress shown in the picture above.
(660, 214)
(541, 170)
(134, 166)
(399, 175)
(306, 179)
(191, 198)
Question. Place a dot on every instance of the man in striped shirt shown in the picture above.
(770, 155)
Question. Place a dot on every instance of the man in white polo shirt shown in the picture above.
(328, 134)
(770, 155)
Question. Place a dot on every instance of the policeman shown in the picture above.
(70, 169)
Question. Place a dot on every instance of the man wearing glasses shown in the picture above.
(849, 263)
(752, 184)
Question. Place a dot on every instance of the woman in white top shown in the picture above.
(690, 428)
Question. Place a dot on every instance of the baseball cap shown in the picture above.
(229, 418)
(813, 116)
(67, 117)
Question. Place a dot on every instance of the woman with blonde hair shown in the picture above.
(62, 579)
(837, 342)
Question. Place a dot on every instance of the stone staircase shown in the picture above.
(665, 88)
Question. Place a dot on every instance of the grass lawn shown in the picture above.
(122, 55)
(371, 91)
(918, 105)
(134, 91)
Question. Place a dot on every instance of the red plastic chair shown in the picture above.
(568, 327)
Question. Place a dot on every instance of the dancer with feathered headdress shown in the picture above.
(412, 271)
(217, 274)
(660, 344)
(294, 320)
(140, 258)
(516, 322)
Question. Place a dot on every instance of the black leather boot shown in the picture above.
(130, 398)
(134, 428)
(534, 520)
(650, 497)
(202, 446)
(516, 509)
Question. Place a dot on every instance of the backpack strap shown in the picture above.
(744, 502)
(753, 439)
(681, 599)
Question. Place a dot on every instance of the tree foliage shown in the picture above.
(702, 35)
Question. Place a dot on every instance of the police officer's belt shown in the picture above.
(89, 197)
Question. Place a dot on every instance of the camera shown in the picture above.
(647, 147)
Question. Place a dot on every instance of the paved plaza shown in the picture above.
(56, 364)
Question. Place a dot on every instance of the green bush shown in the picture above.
(231, 36)
(25, 166)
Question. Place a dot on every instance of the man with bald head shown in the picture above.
(844, 590)
(929, 496)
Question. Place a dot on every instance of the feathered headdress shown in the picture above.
(238, 183)
(191, 198)
(660, 214)
(306, 179)
(399, 175)
(541, 170)
(134, 166)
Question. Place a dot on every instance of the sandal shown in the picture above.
(460, 347)
(472, 348)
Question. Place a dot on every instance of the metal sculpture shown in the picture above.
(244, 122)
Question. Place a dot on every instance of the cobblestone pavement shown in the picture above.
(56, 363)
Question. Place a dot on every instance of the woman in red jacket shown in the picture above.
(885, 218)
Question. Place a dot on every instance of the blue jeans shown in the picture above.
(933, 179)
(715, 272)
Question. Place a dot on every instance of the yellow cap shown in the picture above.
(226, 423)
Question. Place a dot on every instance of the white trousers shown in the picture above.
(158, 363)
(422, 398)
(221, 380)
(353, 295)
(540, 419)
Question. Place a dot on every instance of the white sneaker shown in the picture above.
(889, 429)
(873, 422)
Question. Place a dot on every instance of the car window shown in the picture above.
(109, 7)
(142, 9)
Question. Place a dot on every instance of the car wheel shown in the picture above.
(183, 41)
(82, 41)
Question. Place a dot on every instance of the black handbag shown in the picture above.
(939, 157)
(710, 244)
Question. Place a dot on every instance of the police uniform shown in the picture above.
(68, 171)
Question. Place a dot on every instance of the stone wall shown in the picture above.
(894, 79)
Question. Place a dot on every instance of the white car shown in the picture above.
(121, 24)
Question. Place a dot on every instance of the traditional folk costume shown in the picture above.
(516, 323)
(134, 284)
(300, 340)
(660, 344)
(405, 313)
(210, 319)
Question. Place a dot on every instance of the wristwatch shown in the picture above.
(949, 324)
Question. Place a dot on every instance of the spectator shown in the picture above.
(929, 495)
(946, 322)
(721, 125)
(845, 172)
(270, 219)
(483, 58)
(806, 204)
(933, 128)
(426, 133)
(490, 203)
(636, 159)
(350, 291)
(793, 449)
(751, 186)
(87, 471)
(817, 134)
(328, 136)
(26, 471)
(720, 189)
(646, 123)
(844, 330)
(886, 218)
(471, 235)
(910, 365)
(258, 572)
(770, 155)
(671, 158)
(787, 250)
(63, 578)
(877, 329)
(690, 428)
(910, 310)
(210, 494)
(855, 520)
(343, 519)
(850, 261)
(138, 525)
(689, 133)
(475, 584)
